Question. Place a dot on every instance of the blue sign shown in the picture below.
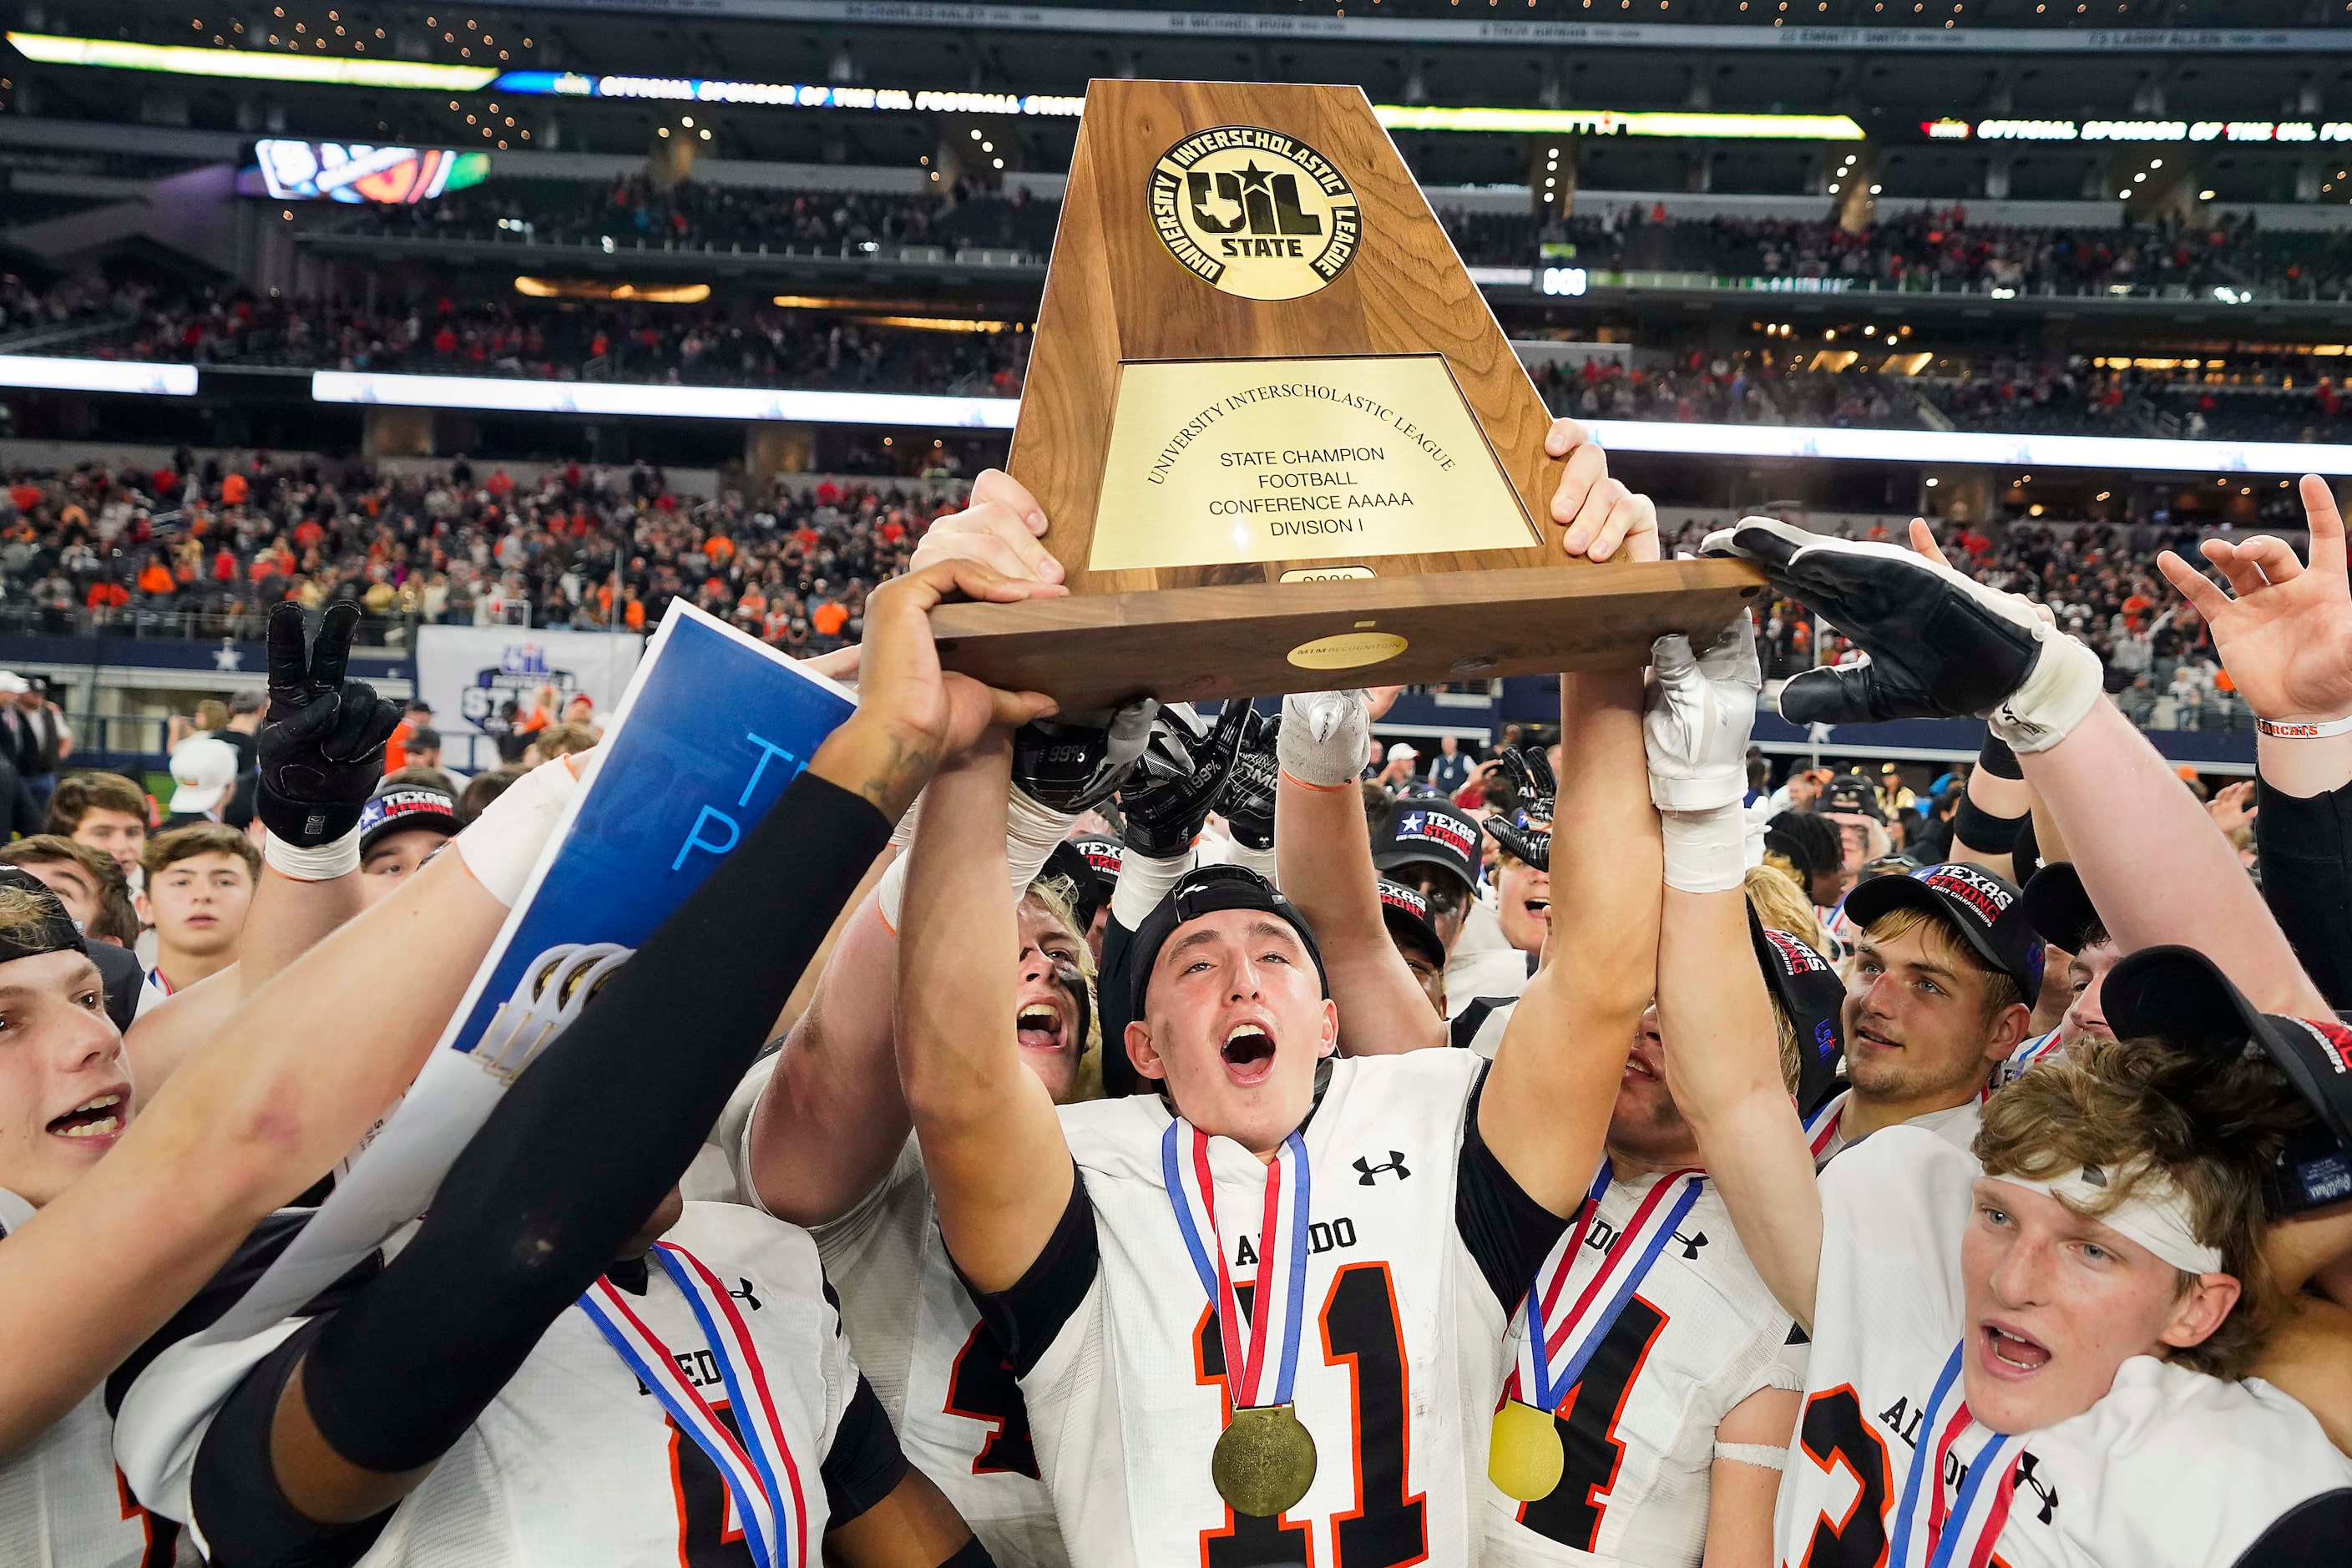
(712, 729)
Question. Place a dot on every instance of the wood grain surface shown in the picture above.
(1093, 651)
(1114, 294)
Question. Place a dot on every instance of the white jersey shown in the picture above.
(1399, 1362)
(1483, 962)
(2171, 1468)
(1956, 1125)
(62, 1505)
(574, 1461)
(1700, 1335)
(942, 1377)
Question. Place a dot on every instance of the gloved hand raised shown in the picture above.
(1939, 645)
(1529, 836)
(1696, 717)
(1247, 800)
(1185, 764)
(1070, 767)
(321, 747)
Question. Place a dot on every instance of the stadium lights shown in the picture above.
(97, 375)
(503, 395)
(1984, 449)
(176, 59)
(184, 60)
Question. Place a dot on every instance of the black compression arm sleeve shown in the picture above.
(580, 1151)
(2305, 848)
(1114, 998)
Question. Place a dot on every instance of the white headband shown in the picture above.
(2155, 1215)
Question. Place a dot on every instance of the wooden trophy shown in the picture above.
(1280, 440)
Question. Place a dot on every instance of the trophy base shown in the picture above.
(1094, 652)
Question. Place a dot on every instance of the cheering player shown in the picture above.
(2029, 1355)
(1241, 1329)
(484, 1397)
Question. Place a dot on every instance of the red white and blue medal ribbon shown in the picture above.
(2027, 1056)
(758, 1467)
(1824, 1125)
(1929, 1534)
(1575, 1300)
(1279, 1302)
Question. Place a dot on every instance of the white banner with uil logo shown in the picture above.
(470, 674)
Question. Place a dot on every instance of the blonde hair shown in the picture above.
(2213, 1128)
(1059, 896)
(1781, 904)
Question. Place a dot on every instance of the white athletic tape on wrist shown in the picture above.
(2155, 1215)
(1258, 860)
(1337, 757)
(337, 857)
(2066, 680)
(1031, 832)
(502, 845)
(1707, 851)
(1143, 883)
(1763, 1456)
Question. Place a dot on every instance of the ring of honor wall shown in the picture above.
(1259, 360)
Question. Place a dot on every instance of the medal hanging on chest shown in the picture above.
(1929, 1534)
(758, 1467)
(1265, 1460)
(1569, 1310)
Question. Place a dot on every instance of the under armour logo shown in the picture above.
(1367, 1171)
(1690, 1244)
(744, 1295)
(2049, 1495)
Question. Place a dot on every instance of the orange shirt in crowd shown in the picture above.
(155, 578)
(829, 617)
(233, 491)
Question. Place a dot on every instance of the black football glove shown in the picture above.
(1246, 802)
(1940, 647)
(321, 747)
(1185, 764)
(1072, 768)
(1528, 835)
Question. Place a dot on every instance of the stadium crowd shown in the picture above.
(579, 548)
(1625, 1158)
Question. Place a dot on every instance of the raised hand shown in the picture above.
(2284, 629)
(1184, 766)
(999, 526)
(320, 750)
(1071, 768)
(1695, 723)
(1602, 517)
(1528, 836)
(1939, 645)
(1246, 803)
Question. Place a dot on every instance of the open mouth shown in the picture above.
(1636, 1068)
(1880, 1041)
(2005, 1352)
(1540, 909)
(100, 1116)
(1248, 1053)
(1039, 1027)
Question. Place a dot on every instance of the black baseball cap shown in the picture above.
(1089, 892)
(1987, 910)
(1208, 891)
(2058, 908)
(2177, 994)
(1850, 793)
(1407, 914)
(1810, 991)
(1435, 832)
(408, 807)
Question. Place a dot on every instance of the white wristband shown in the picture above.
(2303, 729)
(1143, 883)
(337, 857)
(2065, 682)
(1707, 851)
(502, 845)
(1031, 832)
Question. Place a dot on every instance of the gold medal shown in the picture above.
(1265, 1461)
(1524, 1457)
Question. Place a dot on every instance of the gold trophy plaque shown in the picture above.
(1283, 444)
